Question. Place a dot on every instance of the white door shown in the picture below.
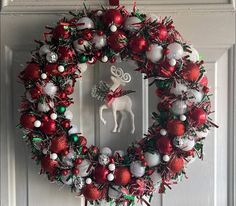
(207, 24)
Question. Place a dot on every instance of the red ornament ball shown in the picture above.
(48, 165)
(59, 144)
(162, 32)
(52, 69)
(113, 16)
(91, 192)
(122, 176)
(100, 174)
(199, 116)
(31, 72)
(65, 123)
(175, 127)
(204, 81)
(61, 32)
(176, 165)
(191, 72)
(137, 44)
(49, 127)
(164, 145)
(27, 121)
(117, 40)
(87, 34)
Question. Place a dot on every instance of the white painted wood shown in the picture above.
(212, 33)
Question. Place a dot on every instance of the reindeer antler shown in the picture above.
(119, 73)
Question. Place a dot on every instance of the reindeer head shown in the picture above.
(119, 77)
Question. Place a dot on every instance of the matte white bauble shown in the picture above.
(81, 47)
(202, 134)
(114, 192)
(50, 89)
(73, 130)
(112, 167)
(104, 59)
(61, 68)
(113, 28)
(84, 168)
(194, 55)
(68, 114)
(106, 151)
(44, 50)
(137, 169)
(82, 67)
(44, 106)
(86, 23)
(66, 180)
(103, 159)
(110, 177)
(37, 123)
(53, 116)
(154, 54)
(88, 181)
(179, 107)
(187, 145)
(182, 117)
(178, 89)
(99, 41)
(44, 76)
(53, 156)
(163, 132)
(152, 159)
(132, 24)
(166, 158)
(195, 96)
(175, 51)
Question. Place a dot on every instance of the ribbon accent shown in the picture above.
(110, 97)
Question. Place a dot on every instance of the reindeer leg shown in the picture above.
(123, 117)
(115, 120)
(100, 113)
(132, 121)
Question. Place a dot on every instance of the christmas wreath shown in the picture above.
(180, 124)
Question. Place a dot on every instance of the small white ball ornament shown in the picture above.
(104, 59)
(166, 158)
(163, 132)
(110, 177)
(44, 76)
(154, 54)
(50, 89)
(112, 167)
(182, 117)
(99, 13)
(37, 123)
(99, 41)
(88, 181)
(86, 23)
(53, 156)
(175, 51)
(113, 28)
(152, 159)
(172, 62)
(178, 89)
(179, 107)
(137, 169)
(106, 151)
(53, 116)
(68, 114)
(61, 68)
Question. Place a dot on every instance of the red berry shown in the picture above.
(75, 171)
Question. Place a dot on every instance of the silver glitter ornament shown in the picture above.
(51, 57)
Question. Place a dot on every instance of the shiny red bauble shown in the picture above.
(164, 145)
(48, 165)
(175, 127)
(59, 144)
(27, 121)
(49, 127)
(122, 176)
(117, 40)
(65, 53)
(191, 72)
(100, 174)
(52, 69)
(176, 165)
(61, 32)
(162, 32)
(31, 72)
(91, 192)
(204, 81)
(87, 34)
(137, 44)
(65, 123)
(199, 116)
(113, 16)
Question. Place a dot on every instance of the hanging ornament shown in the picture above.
(103, 159)
(85, 23)
(199, 116)
(178, 89)
(175, 51)
(61, 31)
(137, 169)
(91, 192)
(59, 144)
(27, 121)
(81, 45)
(175, 127)
(122, 176)
(154, 53)
(84, 168)
(113, 16)
(49, 127)
(137, 44)
(117, 40)
(49, 165)
(51, 57)
(176, 165)
(191, 72)
(99, 41)
(132, 24)
(50, 89)
(100, 174)
(31, 72)
(179, 107)
(164, 145)
(195, 96)
(152, 159)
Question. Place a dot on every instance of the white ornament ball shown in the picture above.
(182, 117)
(110, 177)
(103, 159)
(44, 50)
(53, 116)
(104, 59)
(81, 47)
(44, 106)
(99, 41)
(132, 24)
(194, 55)
(113, 28)
(163, 132)
(82, 67)
(66, 180)
(51, 57)
(73, 130)
(178, 89)
(152, 159)
(86, 23)
(114, 192)
(50, 89)
(166, 158)
(179, 107)
(83, 168)
(61, 68)
(53, 156)
(88, 181)
(112, 167)
(137, 169)
(44, 76)
(106, 151)
(37, 123)
(154, 54)
(195, 96)
(175, 51)
(172, 62)
(68, 114)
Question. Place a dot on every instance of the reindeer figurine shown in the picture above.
(115, 98)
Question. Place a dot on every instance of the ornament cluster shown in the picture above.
(181, 121)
